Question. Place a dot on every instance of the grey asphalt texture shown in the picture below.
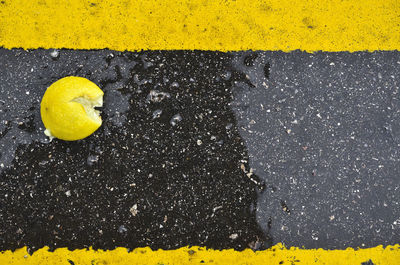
(224, 150)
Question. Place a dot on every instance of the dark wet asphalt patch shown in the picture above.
(165, 181)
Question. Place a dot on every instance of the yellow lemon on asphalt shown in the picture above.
(68, 108)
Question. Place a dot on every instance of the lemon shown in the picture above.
(68, 108)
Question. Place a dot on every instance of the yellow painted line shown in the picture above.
(225, 25)
(195, 255)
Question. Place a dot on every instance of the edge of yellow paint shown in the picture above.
(278, 254)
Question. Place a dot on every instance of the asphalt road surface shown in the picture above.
(224, 150)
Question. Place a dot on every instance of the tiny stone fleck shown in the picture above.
(134, 211)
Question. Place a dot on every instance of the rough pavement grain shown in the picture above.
(224, 150)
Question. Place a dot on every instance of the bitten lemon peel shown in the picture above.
(68, 108)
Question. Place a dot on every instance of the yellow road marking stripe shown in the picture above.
(195, 255)
(225, 25)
